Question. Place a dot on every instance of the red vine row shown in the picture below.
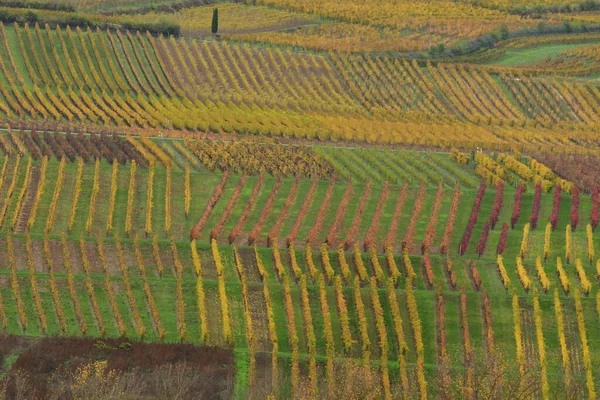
(195, 232)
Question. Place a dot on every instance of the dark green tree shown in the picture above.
(215, 21)
(504, 32)
(568, 27)
(542, 26)
(30, 17)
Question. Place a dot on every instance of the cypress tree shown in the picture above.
(215, 21)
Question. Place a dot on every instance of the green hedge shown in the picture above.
(72, 19)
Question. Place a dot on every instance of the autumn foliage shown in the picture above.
(332, 236)
(195, 232)
(503, 237)
(535, 210)
(371, 236)
(517, 205)
(300, 217)
(555, 207)
(445, 243)
(575, 208)
(462, 248)
(273, 235)
(429, 275)
(237, 229)
(483, 239)
(391, 235)
(316, 228)
(218, 228)
(433, 220)
(595, 208)
(255, 232)
(498, 199)
(354, 228)
(410, 231)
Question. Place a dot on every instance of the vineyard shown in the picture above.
(138, 81)
(105, 250)
(299, 199)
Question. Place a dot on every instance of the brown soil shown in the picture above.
(249, 263)
(209, 270)
(41, 358)
(167, 259)
(91, 249)
(4, 281)
(39, 257)
(128, 254)
(260, 322)
(149, 262)
(75, 255)
(20, 254)
(112, 260)
(57, 257)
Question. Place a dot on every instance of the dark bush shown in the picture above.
(70, 152)
(31, 147)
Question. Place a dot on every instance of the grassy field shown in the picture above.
(528, 56)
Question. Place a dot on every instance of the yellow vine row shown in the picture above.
(130, 198)
(140, 327)
(71, 283)
(109, 288)
(311, 339)
(53, 287)
(587, 359)
(90, 286)
(227, 334)
(34, 287)
(383, 340)
(539, 332)
(76, 193)
(114, 185)
(38, 193)
(55, 196)
(180, 301)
